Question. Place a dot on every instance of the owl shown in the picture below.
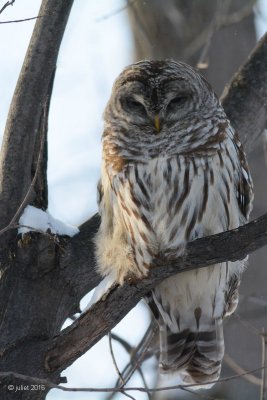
(173, 170)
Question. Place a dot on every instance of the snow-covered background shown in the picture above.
(96, 46)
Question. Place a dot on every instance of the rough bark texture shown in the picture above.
(43, 278)
(24, 115)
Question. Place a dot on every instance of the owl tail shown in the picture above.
(195, 355)
(193, 351)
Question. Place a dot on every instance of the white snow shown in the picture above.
(100, 290)
(36, 219)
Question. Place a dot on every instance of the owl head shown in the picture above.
(157, 96)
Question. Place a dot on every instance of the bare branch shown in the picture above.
(114, 359)
(8, 3)
(43, 135)
(20, 20)
(220, 12)
(103, 316)
(140, 354)
(23, 122)
(119, 10)
(25, 201)
(123, 342)
(50, 385)
(199, 395)
(240, 371)
(239, 15)
(127, 395)
(245, 98)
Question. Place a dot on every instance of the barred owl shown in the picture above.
(173, 170)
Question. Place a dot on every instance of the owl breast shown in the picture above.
(167, 202)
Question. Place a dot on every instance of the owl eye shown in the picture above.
(177, 102)
(134, 105)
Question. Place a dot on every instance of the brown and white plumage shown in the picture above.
(173, 170)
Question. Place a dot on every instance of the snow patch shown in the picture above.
(36, 219)
(100, 290)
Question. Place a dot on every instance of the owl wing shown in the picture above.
(243, 182)
(125, 240)
(244, 195)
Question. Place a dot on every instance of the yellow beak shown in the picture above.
(157, 123)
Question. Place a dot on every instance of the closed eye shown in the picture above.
(177, 102)
(134, 105)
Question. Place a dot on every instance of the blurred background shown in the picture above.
(101, 38)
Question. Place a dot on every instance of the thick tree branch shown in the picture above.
(245, 99)
(26, 107)
(84, 333)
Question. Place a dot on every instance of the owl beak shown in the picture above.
(157, 123)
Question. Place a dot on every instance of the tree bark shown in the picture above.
(23, 122)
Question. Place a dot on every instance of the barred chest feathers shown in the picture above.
(162, 203)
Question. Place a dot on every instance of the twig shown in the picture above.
(239, 370)
(50, 385)
(138, 355)
(263, 395)
(20, 20)
(140, 352)
(8, 3)
(127, 395)
(239, 15)
(123, 342)
(221, 19)
(140, 371)
(114, 359)
(200, 395)
(214, 26)
(119, 10)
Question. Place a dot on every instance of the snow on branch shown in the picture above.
(34, 219)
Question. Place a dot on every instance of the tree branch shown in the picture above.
(8, 3)
(84, 333)
(245, 98)
(26, 107)
(19, 20)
